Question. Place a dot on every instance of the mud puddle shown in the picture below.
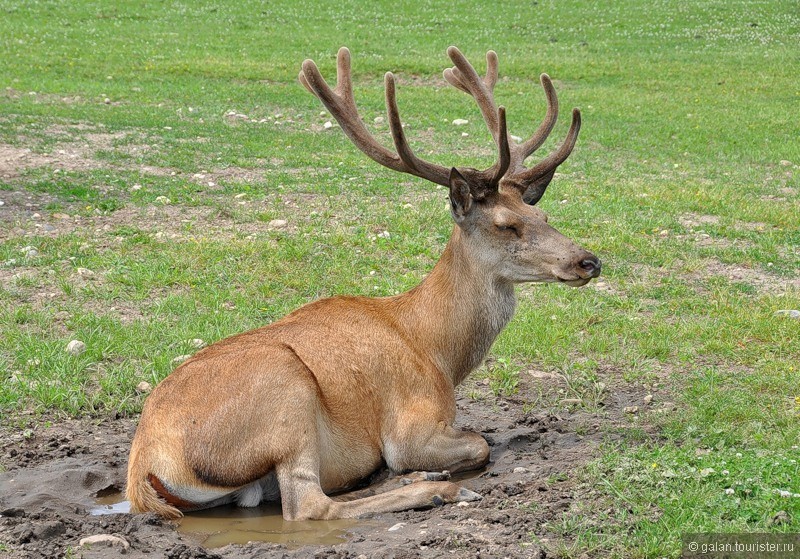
(56, 472)
(221, 526)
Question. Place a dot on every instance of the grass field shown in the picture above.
(157, 143)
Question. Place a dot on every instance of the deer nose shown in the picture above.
(591, 266)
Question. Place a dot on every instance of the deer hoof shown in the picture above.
(437, 501)
(437, 476)
(465, 494)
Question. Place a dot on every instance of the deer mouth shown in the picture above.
(580, 282)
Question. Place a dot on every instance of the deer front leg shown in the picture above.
(303, 499)
(437, 447)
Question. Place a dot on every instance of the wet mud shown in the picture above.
(57, 475)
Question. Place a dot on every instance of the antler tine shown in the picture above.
(534, 142)
(504, 159)
(415, 165)
(533, 182)
(464, 77)
(340, 102)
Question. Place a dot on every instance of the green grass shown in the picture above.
(679, 183)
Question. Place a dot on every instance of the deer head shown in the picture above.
(494, 209)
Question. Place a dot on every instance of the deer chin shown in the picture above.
(579, 282)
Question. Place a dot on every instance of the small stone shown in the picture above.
(729, 491)
(781, 517)
(630, 409)
(462, 504)
(378, 120)
(520, 470)
(180, 359)
(328, 125)
(136, 187)
(163, 200)
(144, 387)
(785, 162)
(396, 527)
(196, 343)
(85, 272)
(790, 313)
(277, 224)
(384, 235)
(460, 122)
(49, 530)
(240, 195)
(36, 216)
(107, 101)
(648, 399)
(76, 347)
(47, 228)
(104, 540)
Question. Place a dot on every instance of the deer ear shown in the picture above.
(460, 197)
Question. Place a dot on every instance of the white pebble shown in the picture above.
(328, 125)
(180, 359)
(277, 224)
(197, 343)
(104, 539)
(791, 313)
(163, 200)
(729, 491)
(76, 347)
(396, 527)
(144, 387)
(85, 272)
(460, 122)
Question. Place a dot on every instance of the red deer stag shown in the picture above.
(313, 403)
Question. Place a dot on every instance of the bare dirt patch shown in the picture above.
(78, 145)
(55, 472)
(763, 281)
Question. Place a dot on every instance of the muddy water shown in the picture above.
(221, 526)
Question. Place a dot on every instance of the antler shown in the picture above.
(530, 182)
(341, 104)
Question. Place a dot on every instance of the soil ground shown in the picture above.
(54, 473)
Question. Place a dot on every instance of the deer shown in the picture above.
(312, 404)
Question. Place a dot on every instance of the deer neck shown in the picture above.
(456, 313)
